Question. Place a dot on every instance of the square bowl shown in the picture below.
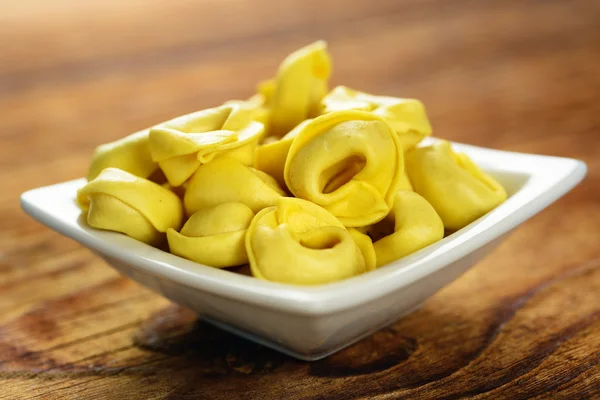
(310, 323)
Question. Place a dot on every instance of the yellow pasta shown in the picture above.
(296, 92)
(227, 180)
(406, 116)
(181, 145)
(214, 236)
(349, 162)
(299, 242)
(130, 154)
(457, 189)
(362, 193)
(119, 201)
(411, 225)
(270, 157)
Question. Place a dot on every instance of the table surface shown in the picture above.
(519, 75)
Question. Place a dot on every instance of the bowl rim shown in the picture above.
(547, 179)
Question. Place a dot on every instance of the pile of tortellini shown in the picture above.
(306, 185)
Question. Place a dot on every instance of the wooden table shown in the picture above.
(520, 75)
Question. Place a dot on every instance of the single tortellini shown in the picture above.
(350, 163)
(214, 236)
(271, 156)
(411, 225)
(298, 88)
(406, 116)
(299, 242)
(457, 189)
(131, 154)
(119, 201)
(182, 144)
(226, 180)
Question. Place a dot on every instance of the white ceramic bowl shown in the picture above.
(312, 322)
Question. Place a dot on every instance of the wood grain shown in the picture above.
(521, 75)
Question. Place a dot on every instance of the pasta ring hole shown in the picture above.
(341, 173)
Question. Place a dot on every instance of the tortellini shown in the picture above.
(214, 236)
(457, 189)
(295, 185)
(349, 162)
(296, 92)
(227, 180)
(119, 201)
(181, 145)
(301, 243)
(406, 116)
(411, 225)
(131, 154)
